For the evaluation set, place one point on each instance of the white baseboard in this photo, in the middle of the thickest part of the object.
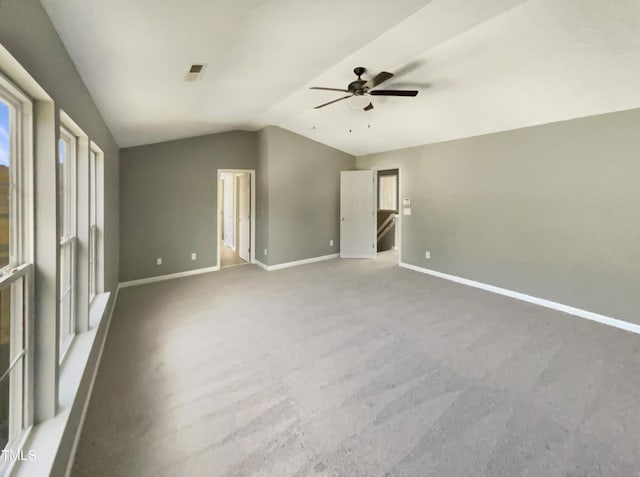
(85, 407)
(143, 281)
(280, 266)
(261, 265)
(589, 315)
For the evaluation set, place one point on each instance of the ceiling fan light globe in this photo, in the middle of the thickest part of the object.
(359, 101)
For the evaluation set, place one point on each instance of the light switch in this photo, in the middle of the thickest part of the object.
(406, 211)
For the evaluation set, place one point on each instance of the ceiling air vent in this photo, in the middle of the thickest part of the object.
(195, 72)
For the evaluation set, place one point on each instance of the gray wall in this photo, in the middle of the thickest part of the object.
(303, 196)
(25, 30)
(550, 211)
(262, 197)
(169, 201)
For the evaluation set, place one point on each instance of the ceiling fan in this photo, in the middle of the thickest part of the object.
(361, 90)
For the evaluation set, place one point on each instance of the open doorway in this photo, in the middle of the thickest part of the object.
(236, 217)
(387, 214)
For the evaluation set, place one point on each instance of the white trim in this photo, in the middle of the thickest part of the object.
(71, 126)
(589, 315)
(280, 266)
(41, 147)
(170, 276)
(262, 265)
(98, 183)
(85, 408)
(99, 215)
(21, 77)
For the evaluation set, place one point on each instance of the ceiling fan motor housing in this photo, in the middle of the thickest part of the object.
(357, 87)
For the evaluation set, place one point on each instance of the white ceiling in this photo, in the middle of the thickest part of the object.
(133, 56)
(481, 66)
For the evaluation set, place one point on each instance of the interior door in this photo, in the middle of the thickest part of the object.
(228, 214)
(221, 196)
(244, 216)
(357, 214)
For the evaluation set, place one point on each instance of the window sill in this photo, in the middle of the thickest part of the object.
(54, 440)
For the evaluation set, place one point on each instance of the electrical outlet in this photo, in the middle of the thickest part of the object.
(265, 252)
(427, 255)
(330, 243)
(193, 256)
(158, 261)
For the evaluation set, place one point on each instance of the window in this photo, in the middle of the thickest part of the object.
(93, 224)
(5, 146)
(16, 261)
(67, 227)
(388, 192)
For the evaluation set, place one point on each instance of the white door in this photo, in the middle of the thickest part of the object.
(227, 212)
(357, 214)
(244, 216)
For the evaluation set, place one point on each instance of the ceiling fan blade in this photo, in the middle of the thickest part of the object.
(334, 101)
(330, 89)
(369, 107)
(393, 92)
(378, 79)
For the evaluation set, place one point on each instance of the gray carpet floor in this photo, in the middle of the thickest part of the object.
(356, 368)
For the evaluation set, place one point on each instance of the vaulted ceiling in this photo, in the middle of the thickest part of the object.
(480, 67)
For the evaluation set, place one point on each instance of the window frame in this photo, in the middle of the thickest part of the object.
(96, 220)
(68, 237)
(19, 273)
(70, 182)
(93, 223)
